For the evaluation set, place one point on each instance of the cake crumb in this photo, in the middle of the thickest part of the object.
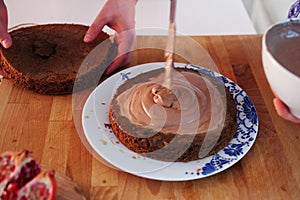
(103, 142)
(111, 141)
(107, 125)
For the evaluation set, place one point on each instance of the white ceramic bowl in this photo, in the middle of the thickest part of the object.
(284, 83)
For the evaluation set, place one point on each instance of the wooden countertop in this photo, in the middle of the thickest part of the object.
(49, 126)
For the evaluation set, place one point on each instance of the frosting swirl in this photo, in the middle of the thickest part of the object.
(193, 104)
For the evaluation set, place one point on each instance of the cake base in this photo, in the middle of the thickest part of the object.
(47, 58)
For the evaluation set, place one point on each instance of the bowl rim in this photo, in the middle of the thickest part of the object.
(266, 52)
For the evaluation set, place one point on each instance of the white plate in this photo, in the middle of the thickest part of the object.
(104, 142)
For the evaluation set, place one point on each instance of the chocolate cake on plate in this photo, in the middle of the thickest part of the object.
(192, 119)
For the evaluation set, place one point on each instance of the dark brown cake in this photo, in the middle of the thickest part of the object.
(47, 58)
(152, 144)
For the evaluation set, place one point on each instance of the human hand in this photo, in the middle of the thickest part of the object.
(119, 15)
(5, 38)
(283, 111)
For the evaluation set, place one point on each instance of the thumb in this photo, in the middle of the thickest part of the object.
(5, 38)
(94, 30)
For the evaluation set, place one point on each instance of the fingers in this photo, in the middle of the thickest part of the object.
(5, 39)
(92, 32)
(119, 15)
(283, 111)
(95, 28)
(125, 42)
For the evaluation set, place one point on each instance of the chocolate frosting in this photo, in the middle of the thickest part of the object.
(193, 104)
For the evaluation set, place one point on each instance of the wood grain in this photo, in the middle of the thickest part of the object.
(50, 127)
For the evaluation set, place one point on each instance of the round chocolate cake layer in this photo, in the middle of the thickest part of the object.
(47, 58)
(156, 144)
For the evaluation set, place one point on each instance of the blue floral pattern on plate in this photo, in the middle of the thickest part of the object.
(247, 124)
(110, 149)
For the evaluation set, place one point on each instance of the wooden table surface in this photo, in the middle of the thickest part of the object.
(50, 128)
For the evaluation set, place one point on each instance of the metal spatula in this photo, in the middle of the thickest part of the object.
(170, 46)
